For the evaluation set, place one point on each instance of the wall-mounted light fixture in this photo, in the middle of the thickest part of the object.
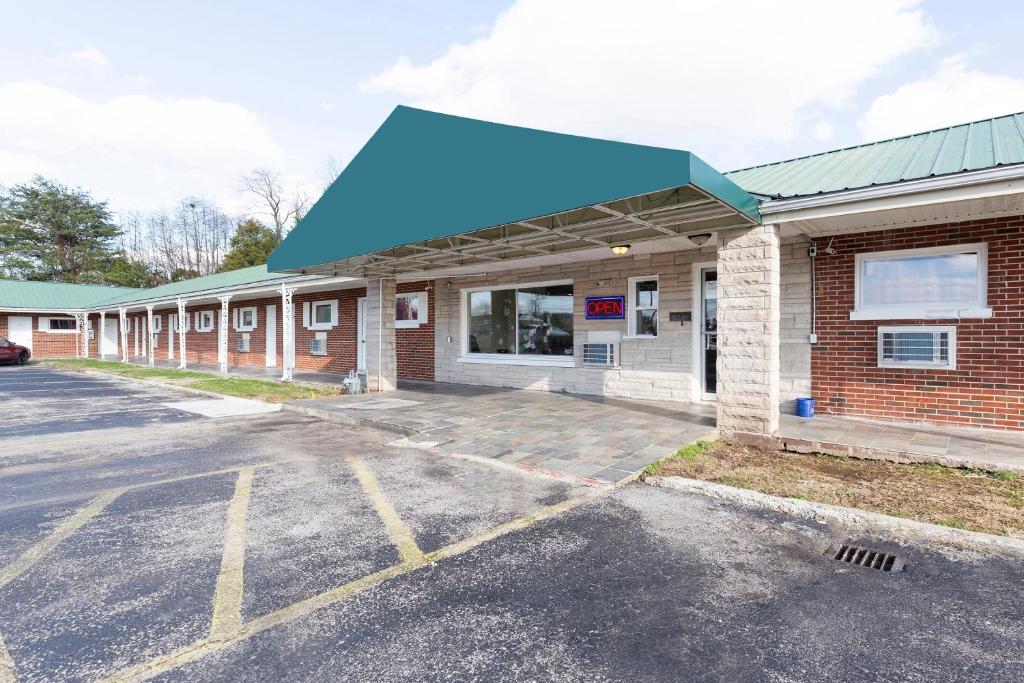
(699, 239)
(620, 249)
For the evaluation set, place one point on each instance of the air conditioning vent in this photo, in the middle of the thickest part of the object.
(318, 347)
(243, 344)
(599, 354)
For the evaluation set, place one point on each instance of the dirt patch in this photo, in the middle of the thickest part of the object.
(961, 498)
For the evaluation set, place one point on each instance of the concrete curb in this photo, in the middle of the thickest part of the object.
(871, 522)
(808, 446)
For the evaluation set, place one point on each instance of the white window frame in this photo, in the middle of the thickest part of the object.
(313, 324)
(632, 308)
(512, 358)
(934, 329)
(158, 324)
(46, 327)
(240, 325)
(200, 325)
(421, 310)
(946, 310)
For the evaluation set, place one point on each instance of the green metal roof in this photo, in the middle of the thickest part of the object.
(966, 147)
(426, 176)
(233, 278)
(45, 296)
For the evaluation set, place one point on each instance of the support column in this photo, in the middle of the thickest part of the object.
(748, 329)
(381, 358)
(222, 335)
(182, 329)
(101, 337)
(149, 335)
(144, 324)
(82, 320)
(122, 329)
(287, 333)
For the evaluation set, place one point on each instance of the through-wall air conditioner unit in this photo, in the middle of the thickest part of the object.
(602, 348)
(318, 346)
(243, 344)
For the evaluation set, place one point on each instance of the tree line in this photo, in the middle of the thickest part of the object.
(56, 233)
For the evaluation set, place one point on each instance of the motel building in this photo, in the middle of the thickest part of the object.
(885, 280)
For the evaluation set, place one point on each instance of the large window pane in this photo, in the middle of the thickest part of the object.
(545, 320)
(937, 279)
(492, 321)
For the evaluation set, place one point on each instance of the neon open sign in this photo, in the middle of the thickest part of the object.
(605, 307)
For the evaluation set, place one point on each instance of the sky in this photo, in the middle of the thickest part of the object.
(143, 104)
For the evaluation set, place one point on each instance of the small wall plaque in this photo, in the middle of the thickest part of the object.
(680, 316)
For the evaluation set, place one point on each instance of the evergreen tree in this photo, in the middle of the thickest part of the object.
(49, 231)
(250, 245)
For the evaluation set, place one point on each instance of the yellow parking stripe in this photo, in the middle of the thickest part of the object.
(400, 534)
(7, 674)
(66, 528)
(206, 646)
(227, 598)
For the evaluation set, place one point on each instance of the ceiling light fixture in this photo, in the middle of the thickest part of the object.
(620, 249)
(699, 239)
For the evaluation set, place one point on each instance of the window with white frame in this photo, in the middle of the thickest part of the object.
(320, 315)
(158, 324)
(924, 347)
(61, 325)
(204, 321)
(524, 321)
(643, 306)
(245, 319)
(934, 282)
(410, 309)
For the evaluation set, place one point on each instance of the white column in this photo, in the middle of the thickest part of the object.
(222, 335)
(82, 319)
(182, 328)
(102, 336)
(145, 335)
(122, 315)
(149, 335)
(287, 333)
(749, 294)
(381, 356)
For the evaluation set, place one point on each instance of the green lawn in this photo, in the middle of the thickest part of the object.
(264, 390)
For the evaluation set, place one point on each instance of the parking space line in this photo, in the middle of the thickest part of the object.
(65, 529)
(227, 598)
(206, 646)
(401, 535)
(7, 672)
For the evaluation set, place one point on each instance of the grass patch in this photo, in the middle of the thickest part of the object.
(263, 390)
(977, 500)
(272, 392)
(687, 453)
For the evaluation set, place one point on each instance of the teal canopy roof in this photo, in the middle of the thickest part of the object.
(424, 177)
(54, 296)
(967, 147)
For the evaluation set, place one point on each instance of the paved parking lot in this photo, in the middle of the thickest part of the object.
(281, 547)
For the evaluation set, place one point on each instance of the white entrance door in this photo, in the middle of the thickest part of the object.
(19, 330)
(172, 329)
(271, 324)
(361, 333)
(109, 337)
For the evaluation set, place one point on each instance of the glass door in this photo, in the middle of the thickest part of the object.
(709, 331)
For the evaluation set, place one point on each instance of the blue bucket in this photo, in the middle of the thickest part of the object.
(805, 407)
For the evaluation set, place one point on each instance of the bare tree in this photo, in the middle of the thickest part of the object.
(282, 209)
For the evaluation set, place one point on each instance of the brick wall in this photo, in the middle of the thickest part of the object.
(415, 345)
(341, 340)
(986, 389)
(53, 344)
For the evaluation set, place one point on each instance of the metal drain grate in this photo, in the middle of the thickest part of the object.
(867, 557)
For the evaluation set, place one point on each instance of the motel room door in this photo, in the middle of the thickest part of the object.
(361, 334)
(109, 340)
(709, 332)
(19, 330)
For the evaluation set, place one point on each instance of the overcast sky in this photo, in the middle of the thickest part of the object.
(143, 103)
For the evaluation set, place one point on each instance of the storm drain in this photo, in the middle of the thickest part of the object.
(867, 557)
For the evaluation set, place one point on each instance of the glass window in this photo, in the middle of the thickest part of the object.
(915, 281)
(63, 324)
(643, 301)
(545, 320)
(322, 314)
(248, 317)
(529, 321)
(407, 307)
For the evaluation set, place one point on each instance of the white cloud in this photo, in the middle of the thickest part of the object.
(955, 93)
(88, 55)
(138, 151)
(718, 78)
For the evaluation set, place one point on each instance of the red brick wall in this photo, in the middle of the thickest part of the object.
(986, 389)
(341, 339)
(415, 345)
(53, 344)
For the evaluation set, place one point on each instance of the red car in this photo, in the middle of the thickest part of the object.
(13, 353)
